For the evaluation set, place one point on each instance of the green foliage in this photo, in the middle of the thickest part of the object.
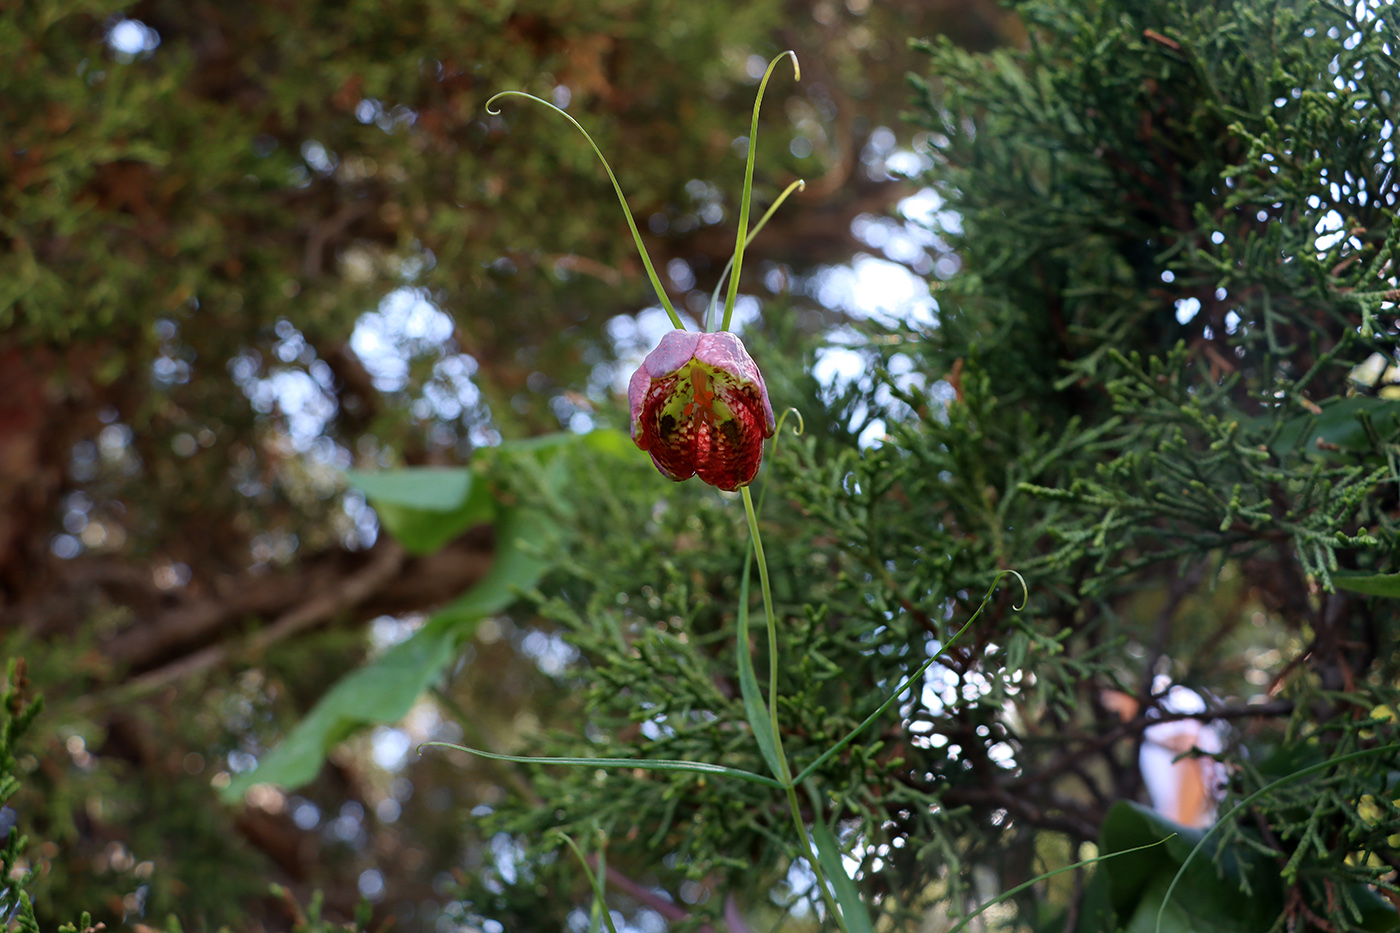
(1138, 394)
(425, 509)
(194, 226)
(1176, 229)
(17, 715)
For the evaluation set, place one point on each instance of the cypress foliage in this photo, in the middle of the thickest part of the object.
(1149, 392)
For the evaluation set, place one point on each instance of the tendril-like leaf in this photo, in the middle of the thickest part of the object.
(626, 211)
(742, 239)
(798, 185)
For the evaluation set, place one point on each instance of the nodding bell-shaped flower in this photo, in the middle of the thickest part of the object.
(699, 407)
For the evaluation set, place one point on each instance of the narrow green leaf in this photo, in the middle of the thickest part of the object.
(757, 713)
(596, 881)
(829, 854)
(646, 764)
(746, 197)
(622, 199)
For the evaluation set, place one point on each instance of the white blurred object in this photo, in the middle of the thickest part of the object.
(1185, 790)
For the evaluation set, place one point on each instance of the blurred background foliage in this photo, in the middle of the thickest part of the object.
(1096, 303)
(247, 247)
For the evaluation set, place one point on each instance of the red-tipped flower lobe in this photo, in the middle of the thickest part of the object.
(699, 407)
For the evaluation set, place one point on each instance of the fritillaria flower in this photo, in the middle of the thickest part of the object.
(699, 407)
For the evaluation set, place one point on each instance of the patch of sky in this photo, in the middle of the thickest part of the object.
(405, 325)
(550, 652)
(1186, 309)
(1331, 228)
(390, 747)
(387, 631)
(131, 38)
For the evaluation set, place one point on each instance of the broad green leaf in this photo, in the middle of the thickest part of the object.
(1128, 826)
(847, 896)
(1097, 911)
(1369, 584)
(430, 489)
(384, 691)
(381, 692)
(1198, 911)
(1208, 897)
(1192, 867)
(523, 538)
(424, 508)
(1339, 423)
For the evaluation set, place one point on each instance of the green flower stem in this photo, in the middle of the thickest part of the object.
(596, 880)
(786, 776)
(710, 310)
(785, 770)
(743, 239)
(626, 211)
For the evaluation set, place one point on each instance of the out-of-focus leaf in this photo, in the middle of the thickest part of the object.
(431, 489)
(1377, 914)
(1209, 896)
(1369, 584)
(1340, 424)
(382, 691)
(523, 542)
(615, 443)
(1096, 909)
(1191, 911)
(424, 508)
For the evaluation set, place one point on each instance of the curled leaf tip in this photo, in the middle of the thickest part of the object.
(796, 68)
(798, 428)
(491, 107)
(1025, 590)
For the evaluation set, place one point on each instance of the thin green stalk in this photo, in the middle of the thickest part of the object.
(710, 310)
(831, 906)
(596, 880)
(626, 211)
(743, 238)
(772, 627)
(785, 775)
